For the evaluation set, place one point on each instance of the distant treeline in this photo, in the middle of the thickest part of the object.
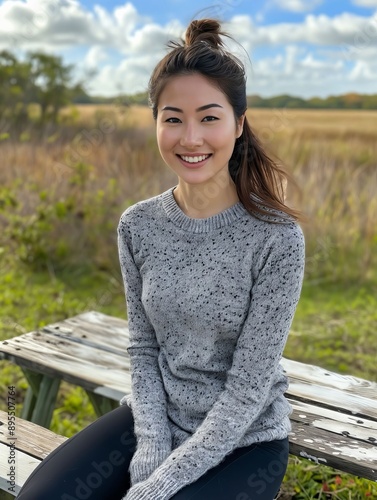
(44, 79)
(346, 101)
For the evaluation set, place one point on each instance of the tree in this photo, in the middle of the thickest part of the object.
(41, 79)
(15, 87)
(52, 84)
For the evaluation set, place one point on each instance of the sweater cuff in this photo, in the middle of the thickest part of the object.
(148, 457)
(159, 489)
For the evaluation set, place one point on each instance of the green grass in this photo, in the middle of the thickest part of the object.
(335, 326)
(307, 481)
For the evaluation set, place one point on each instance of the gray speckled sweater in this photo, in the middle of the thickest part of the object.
(210, 303)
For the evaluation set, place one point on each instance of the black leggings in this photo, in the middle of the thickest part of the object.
(93, 465)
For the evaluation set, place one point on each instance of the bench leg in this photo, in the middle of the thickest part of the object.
(34, 380)
(40, 398)
(101, 404)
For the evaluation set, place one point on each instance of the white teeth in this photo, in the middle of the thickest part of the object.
(194, 159)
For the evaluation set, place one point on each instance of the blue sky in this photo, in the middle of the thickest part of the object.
(185, 9)
(301, 47)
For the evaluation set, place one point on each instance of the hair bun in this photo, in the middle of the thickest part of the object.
(204, 30)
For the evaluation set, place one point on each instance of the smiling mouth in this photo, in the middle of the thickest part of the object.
(194, 159)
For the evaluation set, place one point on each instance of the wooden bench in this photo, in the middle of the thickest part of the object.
(334, 419)
(23, 451)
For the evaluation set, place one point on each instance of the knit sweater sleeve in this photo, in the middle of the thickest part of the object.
(274, 296)
(148, 399)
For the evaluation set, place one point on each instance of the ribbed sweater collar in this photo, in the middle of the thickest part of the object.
(180, 219)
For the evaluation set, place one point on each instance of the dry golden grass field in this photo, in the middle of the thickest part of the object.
(320, 121)
(332, 155)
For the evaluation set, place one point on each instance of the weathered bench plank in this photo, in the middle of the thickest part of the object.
(311, 414)
(335, 439)
(25, 466)
(92, 328)
(76, 363)
(32, 439)
(32, 443)
(329, 397)
(342, 454)
(313, 384)
(317, 376)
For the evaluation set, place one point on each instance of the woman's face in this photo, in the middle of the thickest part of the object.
(196, 128)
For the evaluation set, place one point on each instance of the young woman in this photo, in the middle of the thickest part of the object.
(212, 269)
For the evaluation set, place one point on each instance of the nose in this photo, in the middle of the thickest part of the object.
(191, 137)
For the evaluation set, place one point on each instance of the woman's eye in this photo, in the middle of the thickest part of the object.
(172, 120)
(210, 118)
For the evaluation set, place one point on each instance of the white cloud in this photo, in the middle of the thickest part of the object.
(296, 72)
(365, 3)
(95, 55)
(363, 71)
(345, 28)
(51, 22)
(65, 23)
(130, 76)
(297, 5)
(149, 38)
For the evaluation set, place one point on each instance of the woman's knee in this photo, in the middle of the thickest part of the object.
(96, 458)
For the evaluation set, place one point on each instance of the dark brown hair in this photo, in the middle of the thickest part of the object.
(259, 179)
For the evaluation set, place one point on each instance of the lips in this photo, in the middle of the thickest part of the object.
(194, 159)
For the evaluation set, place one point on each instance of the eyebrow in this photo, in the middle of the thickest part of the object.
(201, 108)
